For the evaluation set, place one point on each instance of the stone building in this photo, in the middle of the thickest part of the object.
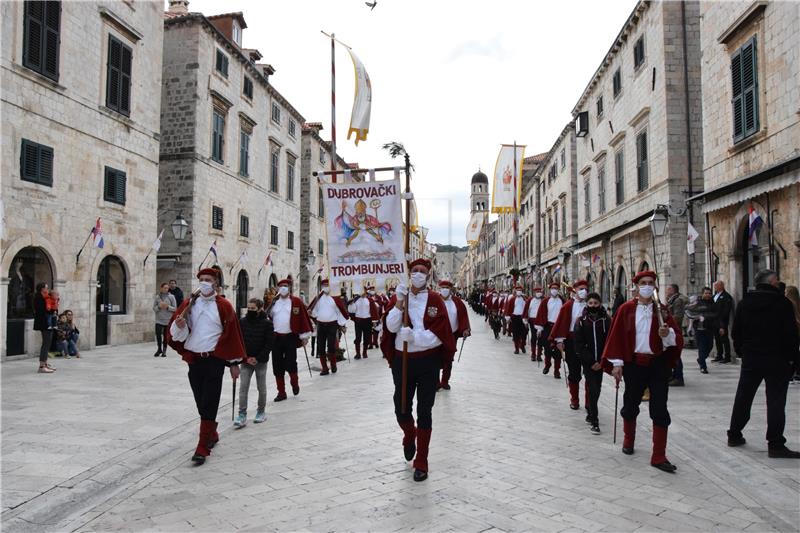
(448, 263)
(639, 147)
(81, 84)
(530, 218)
(230, 158)
(751, 139)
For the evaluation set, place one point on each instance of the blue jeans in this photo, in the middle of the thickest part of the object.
(704, 340)
(72, 344)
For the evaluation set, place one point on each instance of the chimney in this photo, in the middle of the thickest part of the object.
(179, 6)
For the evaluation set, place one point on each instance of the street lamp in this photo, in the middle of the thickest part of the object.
(179, 227)
(658, 222)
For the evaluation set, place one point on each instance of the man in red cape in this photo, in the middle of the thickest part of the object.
(513, 311)
(205, 331)
(561, 335)
(643, 353)
(529, 314)
(292, 331)
(430, 343)
(364, 311)
(329, 314)
(545, 318)
(459, 323)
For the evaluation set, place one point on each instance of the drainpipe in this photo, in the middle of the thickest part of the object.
(690, 192)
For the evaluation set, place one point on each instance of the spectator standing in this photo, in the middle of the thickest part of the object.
(40, 324)
(765, 336)
(703, 316)
(723, 306)
(676, 303)
(163, 306)
(258, 336)
(590, 339)
(619, 299)
(73, 333)
(176, 292)
(793, 295)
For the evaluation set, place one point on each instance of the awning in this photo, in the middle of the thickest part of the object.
(752, 191)
(591, 246)
(636, 227)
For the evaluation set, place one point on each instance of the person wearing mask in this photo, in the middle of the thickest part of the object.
(676, 303)
(330, 314)
(514, 308)
(765, 336)
(703, 316)
(530, 311)
(258, 335)
(429, 344)
(723, 307)
(292, 327)
(364, 312)
(545, 319)
(41, 324)
(642, 351)
(562, 335)
(176, 292)
(590, 339)
(205, 331)
(459, 323)
(163, 306)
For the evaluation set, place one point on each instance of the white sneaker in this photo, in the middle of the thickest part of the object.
(46, 370)
(241, 420)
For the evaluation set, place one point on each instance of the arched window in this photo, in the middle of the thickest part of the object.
(30, 267)
(112, 285)
(621, 281)
(605, 287)
(273, 281)
(242, 289)
(644, 266)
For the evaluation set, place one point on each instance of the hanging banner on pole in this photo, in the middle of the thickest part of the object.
(506, 187)
(365, 235)
(362, 102)
(474, 227)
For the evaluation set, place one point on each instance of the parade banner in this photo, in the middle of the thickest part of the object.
(506, 187)
(362, 103)
(474, 227)
(365, 235)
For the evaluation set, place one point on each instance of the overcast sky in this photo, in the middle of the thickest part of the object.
(451, 80)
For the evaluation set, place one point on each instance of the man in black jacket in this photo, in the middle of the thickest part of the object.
(591, 331)
(765, 337)
(723, 307)
(258, 334)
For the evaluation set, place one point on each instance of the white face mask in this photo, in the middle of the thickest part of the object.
(371, 293)
(539, 295)
(582, 294)
(283, 291)
(206, 288)
(445, 293)
(646, 291)
(418, 279)
(554, 292)
(326, 290)
(519, 293)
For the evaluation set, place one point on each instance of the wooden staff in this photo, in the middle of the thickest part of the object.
(404, 380)
(657, 308)
(616, 411)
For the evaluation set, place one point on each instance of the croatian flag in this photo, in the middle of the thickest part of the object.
(97, 232)
(268, 260)
(755, 224)
(502, 250)
(595, 258)
(557, 270)
(213, 249)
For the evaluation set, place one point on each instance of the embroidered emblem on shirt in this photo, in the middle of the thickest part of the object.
(433, 311)
(295, 310)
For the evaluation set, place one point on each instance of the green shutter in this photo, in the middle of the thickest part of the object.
(744, 90)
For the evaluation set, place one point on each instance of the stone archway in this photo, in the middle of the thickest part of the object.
(29, 266)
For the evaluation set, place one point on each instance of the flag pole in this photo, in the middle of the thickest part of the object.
(204, 260)
(78, 256)
(333, 107)
(404, 380)
(516, 215)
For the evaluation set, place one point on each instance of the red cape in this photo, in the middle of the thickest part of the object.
(435, 320)
(561, 327)
(508, 310)
(463, 317)
(230, 346)
(339, 304)
(299, 322)
(541, 313)
(532, 321)
(621, 341)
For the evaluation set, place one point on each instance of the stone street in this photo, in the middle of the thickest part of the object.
(104, 444)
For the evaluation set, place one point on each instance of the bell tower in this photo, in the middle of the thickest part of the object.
(479, 196)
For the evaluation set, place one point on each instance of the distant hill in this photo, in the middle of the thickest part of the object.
(450, 248)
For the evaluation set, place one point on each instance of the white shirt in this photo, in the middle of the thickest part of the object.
(326, 310)
(205, 327)
(281, 314)
(424, 339)
(553, 307)
(533, 307)
(360, 308)
(452, 313)
(716, 296)
(644, 320)
(519, 305)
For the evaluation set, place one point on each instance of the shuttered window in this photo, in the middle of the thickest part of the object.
(601, 189)
(244, 226)
(118, 76)
(36, 163)
(244, 153)
(617, 82)
(320, 247)
(273, 169)
(638, 53)
(222, 63)
(290, 240)
(273, 235)
(216, 217)
(744, 77)
(321, 203)
(248, 87)
(586, 203)
(290, 161)
(114, 184)
(619, 171)
(41, 37)
(218, 137)
(642, 173)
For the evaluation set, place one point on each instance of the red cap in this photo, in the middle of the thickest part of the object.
(420, 262)
(580, 283)
(518, 287)
(554, 285)
(645, 274)
(208, 272)
(285, 282)
(537, 289)
(444, 283)
(324, 282)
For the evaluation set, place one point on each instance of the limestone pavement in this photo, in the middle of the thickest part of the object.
(104, 445)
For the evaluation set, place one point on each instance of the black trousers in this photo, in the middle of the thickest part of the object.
(284, 355)
(549, 349)
(518, 329)
(326, 338)
(363, 330)
(573, 362)
(723, 344)
(637, 378)
(594, 380)
(161, 337)
(777, 384)
(423, 378)
(205, 377)
(47, 338)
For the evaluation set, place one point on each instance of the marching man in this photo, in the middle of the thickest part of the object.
(643, 352)
(430, 344)
(562, 337)
(205, 331)
(530, 311)
(292, 331)
(330, 314)
(514, 308)
(459, 323)
(545, 319)
(363, 311)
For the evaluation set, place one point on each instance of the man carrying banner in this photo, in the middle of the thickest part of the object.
(562, 336)
(205, 331)
(459, 323)
(364, 312)
(545, 318)
(530, 312)
(292, 331)
(515, 305)
(430, 343)
(330, 314)
(376, 299)
(642, 348)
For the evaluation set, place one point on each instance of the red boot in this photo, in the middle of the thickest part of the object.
(574, 403)
(213, 437)
(629, 430)
(409, 438)
(423, 442)
(295, 382)
(659, 457)
(332, 359)
(358, 351)
(279, 381)
(202, 451)
(557, 371)
(324, 363)
(446, 372)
